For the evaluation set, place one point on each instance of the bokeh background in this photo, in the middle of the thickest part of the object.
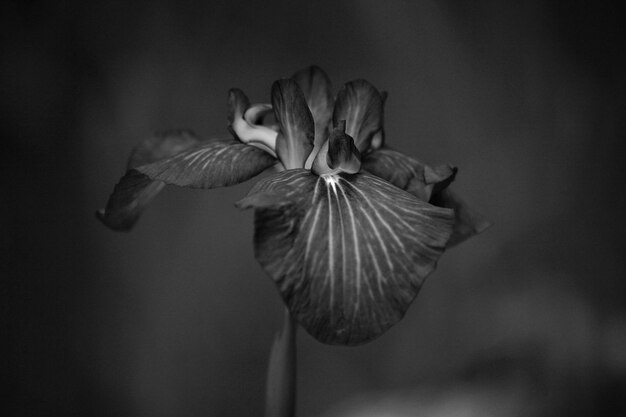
(176, 318)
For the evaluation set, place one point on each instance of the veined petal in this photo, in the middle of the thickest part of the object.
(348, 253)
(133, 193)
(361, 106)
(295, 142)
(202, 165)
(467, 222)
(408, 173)
(217, 163)
(162, 145)
(317, 90)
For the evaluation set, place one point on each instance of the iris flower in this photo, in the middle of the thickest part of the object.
(347, 228)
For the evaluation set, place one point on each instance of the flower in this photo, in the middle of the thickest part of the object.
(348, 228)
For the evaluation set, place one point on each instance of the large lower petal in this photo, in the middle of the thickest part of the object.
(199, 165)
(348, 253)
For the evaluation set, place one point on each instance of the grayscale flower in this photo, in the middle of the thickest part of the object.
(348, 229)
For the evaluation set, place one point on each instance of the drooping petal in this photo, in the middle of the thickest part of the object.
(295, 142)
(129, 199)
(206, 165)
(348, 253)
(361, 106)
(318, 92)
(408, 173)
(135, 191)
(467, 222)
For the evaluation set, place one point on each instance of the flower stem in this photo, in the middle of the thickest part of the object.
(281, 373)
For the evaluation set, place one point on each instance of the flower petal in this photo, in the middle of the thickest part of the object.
(337, 154)
(348, 253)
(217, 163)
(428, 184)
(243, 122)
(238, 103)
(317, 90)
(467, 222)
(135, 191)
(407, 173)
(361, 106)
(295, 142)
(206, 165)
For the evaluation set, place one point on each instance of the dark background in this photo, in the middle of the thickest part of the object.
(176, 318)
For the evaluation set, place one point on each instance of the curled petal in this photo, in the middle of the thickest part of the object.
(135, 191)
(342, 153)
(338, 154)
(256, 113)
(361, 106)
(129, 199)
(348, 253)
(238, 103)
(205, 165)
(295, 142)
(243, 121)
(317, 90)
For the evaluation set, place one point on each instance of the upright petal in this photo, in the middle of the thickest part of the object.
(317, 90)
(206, 165)
(361, 106)
(295, 142)
(348, 253)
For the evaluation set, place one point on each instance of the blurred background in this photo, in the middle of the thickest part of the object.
(176, 318)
